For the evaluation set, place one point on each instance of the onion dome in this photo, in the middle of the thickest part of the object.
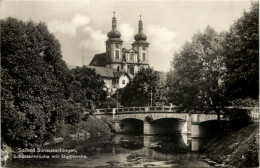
(114, 33)
(140, 36)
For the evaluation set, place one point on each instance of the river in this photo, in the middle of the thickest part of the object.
(119, 151)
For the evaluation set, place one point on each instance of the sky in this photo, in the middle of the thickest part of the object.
(82, 26)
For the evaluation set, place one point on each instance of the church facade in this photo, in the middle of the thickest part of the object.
(118, 65)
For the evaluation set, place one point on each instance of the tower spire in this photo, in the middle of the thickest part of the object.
(140, 25)
(114, 22)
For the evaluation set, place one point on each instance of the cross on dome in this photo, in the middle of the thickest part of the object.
(114, 33)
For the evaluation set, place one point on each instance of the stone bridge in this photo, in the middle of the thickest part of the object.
(160, 120)
(166, 120)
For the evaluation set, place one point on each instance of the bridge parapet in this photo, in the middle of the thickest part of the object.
(105, 111)
(150, 109)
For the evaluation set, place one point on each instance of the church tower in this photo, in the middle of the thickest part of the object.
(140, 45)
(114, 47)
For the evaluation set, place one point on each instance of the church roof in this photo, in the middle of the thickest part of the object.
(128, 51)
(98, 60)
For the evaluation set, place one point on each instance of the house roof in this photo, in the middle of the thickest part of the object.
(119, 74)
(103, 71)
(98, 60)
(130, 75)
(109, 72)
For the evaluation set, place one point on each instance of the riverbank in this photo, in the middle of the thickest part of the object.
(90, 126)
(237, 148)
(87, 127)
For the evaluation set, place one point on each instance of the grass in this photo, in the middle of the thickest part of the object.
(237, 148)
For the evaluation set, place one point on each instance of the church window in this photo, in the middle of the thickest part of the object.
(123, 81)
(144, 57)
(131, 70)
(132, 57)
(117, 54)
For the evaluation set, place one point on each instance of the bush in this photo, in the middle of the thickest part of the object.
(238, 118)
(109, 103)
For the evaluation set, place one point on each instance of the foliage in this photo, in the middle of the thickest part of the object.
(238, 118)
(38, 90)
(138, 92)
(86, 87)
(195, 81)
(109, 103)
(247, 102)
(32, 81)
(241, 48)
(84, 91)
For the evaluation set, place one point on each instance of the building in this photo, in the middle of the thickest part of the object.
(118, 65)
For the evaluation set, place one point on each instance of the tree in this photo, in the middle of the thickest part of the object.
(241, 48)
(87, 87)
(138, 92)
(38, 91)
(195, 81)
(33, 74)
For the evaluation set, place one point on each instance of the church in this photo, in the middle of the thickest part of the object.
(118, 65)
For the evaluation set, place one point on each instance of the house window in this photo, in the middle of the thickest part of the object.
(144, 57)
(117, 54)
(123, 82)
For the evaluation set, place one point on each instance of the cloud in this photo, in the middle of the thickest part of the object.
(161, 37)
(126, 31)
(162, 46)
(68, 27)
(95, 41)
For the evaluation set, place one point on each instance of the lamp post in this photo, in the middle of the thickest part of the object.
(151, 99)
(151, 94)
(116, 100)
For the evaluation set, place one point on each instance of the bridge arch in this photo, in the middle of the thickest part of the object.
(167, 126)
(130, 126)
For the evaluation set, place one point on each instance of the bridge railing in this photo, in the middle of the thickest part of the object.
(138, 109)
(105, 111)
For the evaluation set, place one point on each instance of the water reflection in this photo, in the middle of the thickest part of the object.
(123, 150)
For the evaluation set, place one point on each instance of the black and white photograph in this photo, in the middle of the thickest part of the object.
(129, 83)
